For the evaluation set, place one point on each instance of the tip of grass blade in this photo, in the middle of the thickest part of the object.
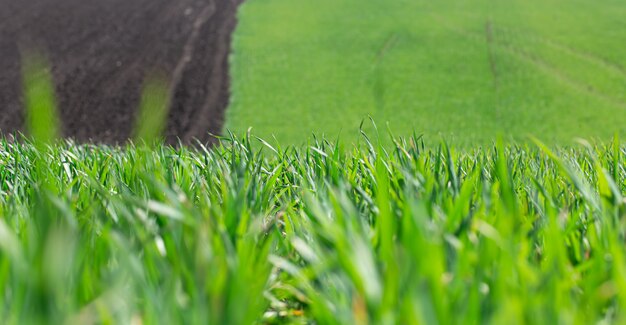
(153, 110)
(39, 96)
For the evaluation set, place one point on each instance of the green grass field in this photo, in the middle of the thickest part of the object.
(463, 70)
(371, 229)
(317, 235)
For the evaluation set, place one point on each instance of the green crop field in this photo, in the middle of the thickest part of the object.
(316, 235)
(463, 70)
(363, 224)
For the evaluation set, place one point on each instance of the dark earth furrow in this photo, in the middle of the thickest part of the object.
(101, 52)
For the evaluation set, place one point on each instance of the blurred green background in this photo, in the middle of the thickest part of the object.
(466, 71)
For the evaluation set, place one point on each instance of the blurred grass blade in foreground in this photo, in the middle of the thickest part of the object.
(153, 110)
(39, 98)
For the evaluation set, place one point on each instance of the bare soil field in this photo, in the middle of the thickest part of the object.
(100, 52)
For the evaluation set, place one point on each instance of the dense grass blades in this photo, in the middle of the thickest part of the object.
(249, 233)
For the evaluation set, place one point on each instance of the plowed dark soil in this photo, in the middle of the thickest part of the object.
(101, 51)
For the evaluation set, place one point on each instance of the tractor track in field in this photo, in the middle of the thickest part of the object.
(594, 59)
(539, 64)
(101, 51)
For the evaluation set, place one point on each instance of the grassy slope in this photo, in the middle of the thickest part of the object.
(468, 70)
(164, 236)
